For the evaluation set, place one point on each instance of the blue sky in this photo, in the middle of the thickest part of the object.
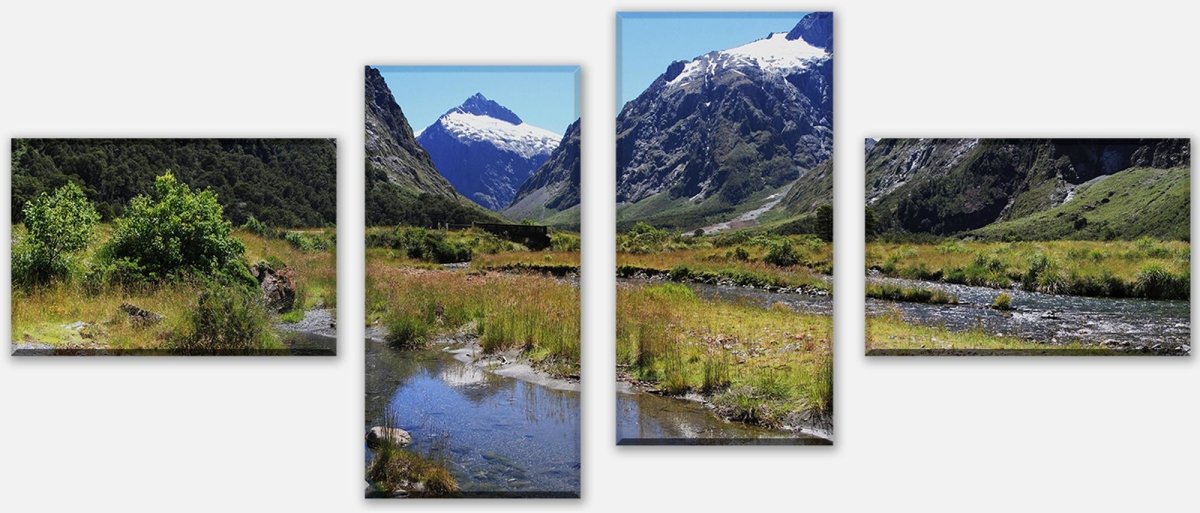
(647, 42)
(544, 96)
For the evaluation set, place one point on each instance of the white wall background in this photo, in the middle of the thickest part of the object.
(999, 434)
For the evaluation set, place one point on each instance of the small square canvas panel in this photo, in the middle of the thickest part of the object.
(174, 246)
(724, 228)
(473, 322)
(1028, 246)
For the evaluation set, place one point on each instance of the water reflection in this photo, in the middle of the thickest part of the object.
(499, 435)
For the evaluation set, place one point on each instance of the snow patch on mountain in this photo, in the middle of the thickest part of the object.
(523, 139)
(773, 54)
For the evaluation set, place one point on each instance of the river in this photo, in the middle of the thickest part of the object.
(499, 436)
(1141, 325)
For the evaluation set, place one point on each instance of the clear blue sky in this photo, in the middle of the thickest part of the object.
(544, 96)
(647, 42)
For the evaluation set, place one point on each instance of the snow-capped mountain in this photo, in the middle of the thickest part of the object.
(485, 150)
(732, 123)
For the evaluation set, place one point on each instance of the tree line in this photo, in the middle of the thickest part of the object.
(282, 182)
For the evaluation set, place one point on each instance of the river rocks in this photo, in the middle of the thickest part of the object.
(278, 286)
(139, 316)
(378, 434)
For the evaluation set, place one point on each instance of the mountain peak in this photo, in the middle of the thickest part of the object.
(816, 28)
(480, 105)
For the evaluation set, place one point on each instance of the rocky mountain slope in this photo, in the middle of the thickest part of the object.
(726, 129)
(403, 186)
(948, 186)
(554, 187)
(485, 150)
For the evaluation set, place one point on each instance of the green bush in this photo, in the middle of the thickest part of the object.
(407, 331)
(56, 225)
(643, 238)
(225, 321)
(563, 241)
(175, 233)
(429, 245)
(782, 254)
(1156, 282)
(253, 225)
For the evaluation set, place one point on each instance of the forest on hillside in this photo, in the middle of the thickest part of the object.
(281, 182)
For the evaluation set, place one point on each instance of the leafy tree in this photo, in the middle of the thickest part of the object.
(782, 254)
(176, 232)
(824, 223)
(56, 225)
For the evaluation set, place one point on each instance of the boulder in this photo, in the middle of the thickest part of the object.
(139, 316)
(397, 436)
(277, 285)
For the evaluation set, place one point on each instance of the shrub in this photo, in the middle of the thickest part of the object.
(430, 245)
(562, 241)
(225, 321)
(1003, 301)
(782, 254)
(643, 238)
(178, 232)
(253, 225)
(741, 254)
(56, 225)
(1156, 282)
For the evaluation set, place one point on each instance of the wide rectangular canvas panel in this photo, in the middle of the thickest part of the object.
(174, 246)
(472, 269)
(724, 228)
(1028, 246)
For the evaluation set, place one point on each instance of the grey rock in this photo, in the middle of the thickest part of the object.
(378, 434)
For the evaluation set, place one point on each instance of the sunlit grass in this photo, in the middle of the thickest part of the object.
(535, 314)
(889, 332)
(758, 364)
(41, 314)
(1143, 268)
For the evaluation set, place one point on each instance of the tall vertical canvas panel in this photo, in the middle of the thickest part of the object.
(472, 269)
(724, 228)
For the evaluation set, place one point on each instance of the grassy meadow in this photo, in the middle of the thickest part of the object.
(758, 365)
(767, 365)
(45, 313)
(1143, 268)
(508, 297)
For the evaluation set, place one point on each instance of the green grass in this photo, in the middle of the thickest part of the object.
(758, 365)
(1003, 301)
(1127, 205)
(1145, 268)
(892, 292)
(534, 314)
(40, 314)
(890, 334)
(739, 258)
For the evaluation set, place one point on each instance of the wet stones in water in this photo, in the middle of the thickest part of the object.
(379, 434)
(278, 286)
(139, 316)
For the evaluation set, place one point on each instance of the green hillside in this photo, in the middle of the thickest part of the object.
(1139, 202)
